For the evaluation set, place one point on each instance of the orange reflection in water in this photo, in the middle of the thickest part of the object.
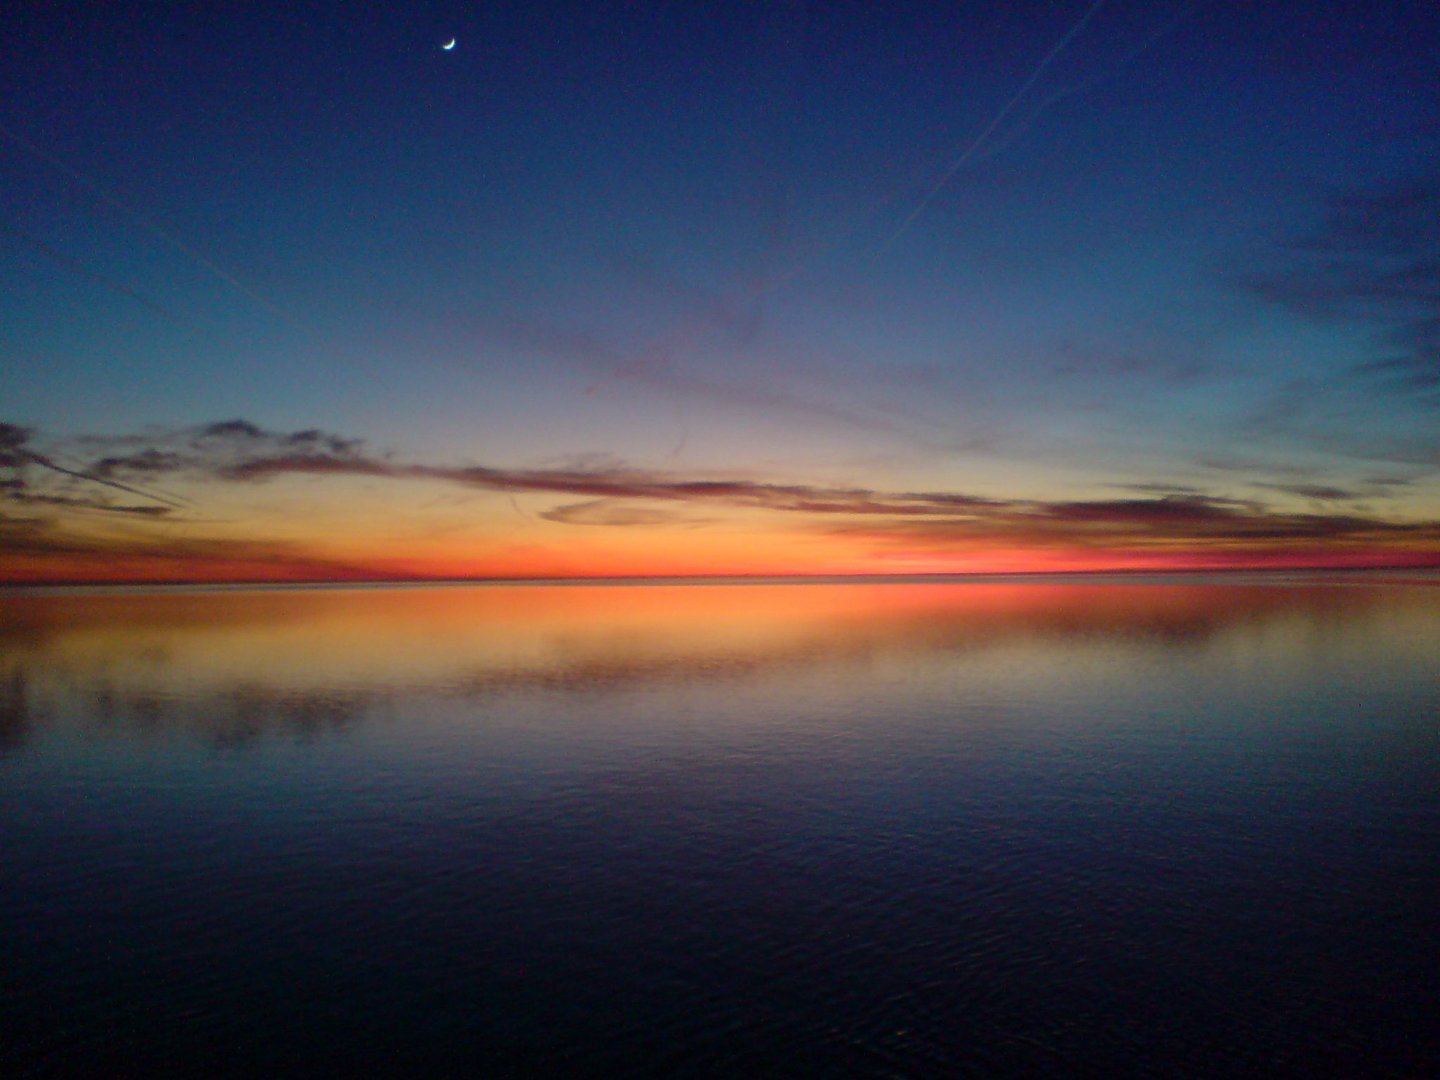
(230, 664)
(293, 639)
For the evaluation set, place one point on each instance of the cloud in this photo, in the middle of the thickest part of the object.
(659, 366)
(1168, 519)
(239, 451)
(139, 464)
(311, 440)
(73, 502)
(1318, 492)
(614, 483)
(1162, 489)
(34, 478)
(1172, 510)
(605, 512)
(1179, 521)
(168, 558)
(1414, 365)
(1373, 260)
(13, 438)
(1188, 525)
(1165, 365)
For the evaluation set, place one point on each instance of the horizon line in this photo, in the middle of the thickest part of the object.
(1129, 573)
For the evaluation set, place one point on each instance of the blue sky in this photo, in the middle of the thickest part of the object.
(1037, 251)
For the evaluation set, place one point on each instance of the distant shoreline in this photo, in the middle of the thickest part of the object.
(1257, 576)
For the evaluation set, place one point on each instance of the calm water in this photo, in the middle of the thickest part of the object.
(1034, 828)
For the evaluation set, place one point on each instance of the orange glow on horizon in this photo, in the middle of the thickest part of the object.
(579, 564)
(298, 529)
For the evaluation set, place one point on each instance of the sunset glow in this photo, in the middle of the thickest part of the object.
(612, 293)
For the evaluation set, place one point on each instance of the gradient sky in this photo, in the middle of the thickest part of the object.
(289, 291)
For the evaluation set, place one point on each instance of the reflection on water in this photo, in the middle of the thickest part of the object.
(1174, 828)
(14, 711)
(308, 661)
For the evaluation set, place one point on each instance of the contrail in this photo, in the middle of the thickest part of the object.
(145, 223)
(41, 459)
(779, 277)
(959, 162)
(116, 203)
(75, 266)
(1060, 95)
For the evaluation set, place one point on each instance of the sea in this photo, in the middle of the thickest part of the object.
(1182, 826)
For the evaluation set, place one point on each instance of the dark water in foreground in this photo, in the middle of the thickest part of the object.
(808, 830)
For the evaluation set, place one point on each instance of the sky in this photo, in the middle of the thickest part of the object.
(293, 292)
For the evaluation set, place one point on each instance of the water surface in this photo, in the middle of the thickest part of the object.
(1160, 828)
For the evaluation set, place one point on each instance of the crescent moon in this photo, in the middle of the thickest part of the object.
(450, 46)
